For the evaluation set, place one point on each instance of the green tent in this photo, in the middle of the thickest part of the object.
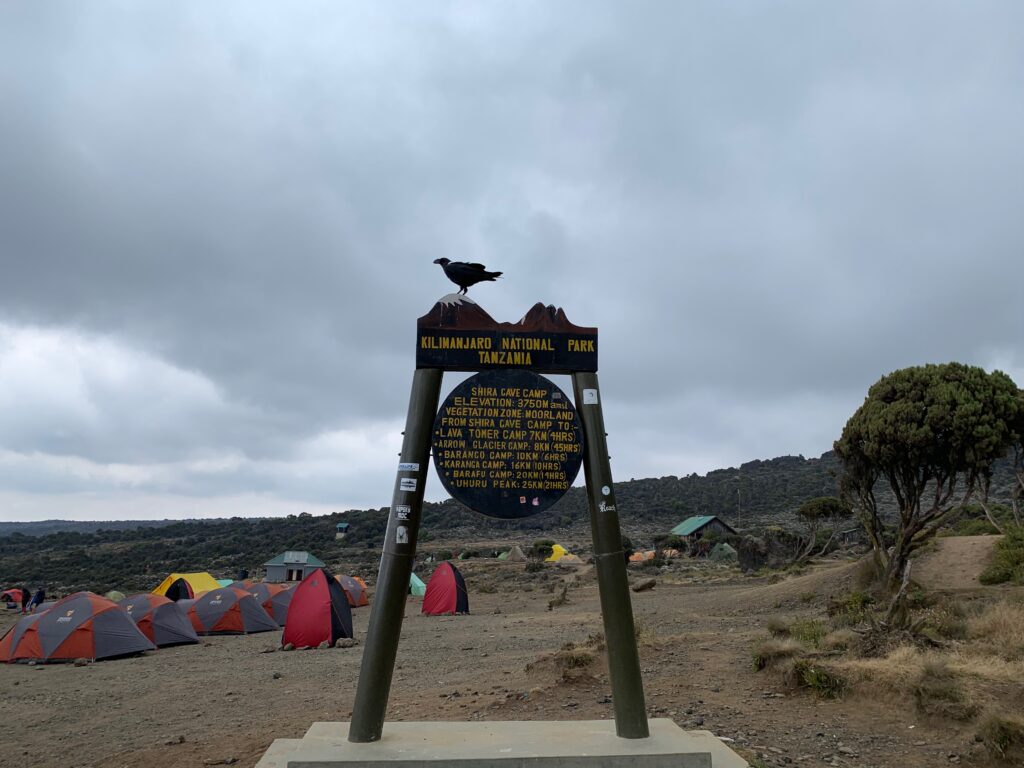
(416, 586)
(723, 553)
(503, 556)
(225, 582)
(115, 595)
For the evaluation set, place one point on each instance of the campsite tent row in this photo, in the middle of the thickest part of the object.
(86, 625)
(186, 586)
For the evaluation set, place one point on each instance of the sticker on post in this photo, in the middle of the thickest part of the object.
(407, 484)
(590, 397)
(401, 535)
(408, 466)
(402, 512)
(605, 490)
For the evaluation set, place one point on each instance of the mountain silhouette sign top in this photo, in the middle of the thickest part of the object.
(458, 335)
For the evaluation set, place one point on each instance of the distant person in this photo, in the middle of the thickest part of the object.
(25, 597)
(37, 599)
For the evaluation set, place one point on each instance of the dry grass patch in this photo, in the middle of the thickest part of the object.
(1003, 735)
(777, 626)
(821, 678)
(840, 640)
(646, 634)
(773, 650)
(940, 691)
(998, 631)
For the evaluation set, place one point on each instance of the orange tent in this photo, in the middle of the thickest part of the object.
(81, 626)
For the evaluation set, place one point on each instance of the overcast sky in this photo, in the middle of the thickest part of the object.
(217, 223)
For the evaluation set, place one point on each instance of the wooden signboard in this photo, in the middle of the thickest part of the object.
(457, 335)
(507, 443)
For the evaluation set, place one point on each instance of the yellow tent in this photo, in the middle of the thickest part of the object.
(200, 582)
(557, 553)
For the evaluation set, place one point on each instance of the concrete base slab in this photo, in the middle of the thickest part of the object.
(520, 744)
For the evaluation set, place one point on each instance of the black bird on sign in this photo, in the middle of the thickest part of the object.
(465, 274)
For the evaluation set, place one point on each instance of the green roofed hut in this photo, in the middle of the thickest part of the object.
(694, 528)
(292, 566)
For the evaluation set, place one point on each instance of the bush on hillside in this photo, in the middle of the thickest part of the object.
(1007, 560)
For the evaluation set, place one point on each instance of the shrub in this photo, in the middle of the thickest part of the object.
(1002, 735)
(541, 549)
(999, 630)
(939, 692)
(850, 609)
(777, 626)
(645, 633)
(807, 674)
(769, 651)
(840, 640)
(808, 631)
(533, 566)
(1007, 559)
(945, 621)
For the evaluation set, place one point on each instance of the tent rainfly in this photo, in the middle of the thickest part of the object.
(446, 592)
(319, 612)
(557, 553)
(229, 611)
(355, 590)
(274, 598)
(162, 620)
(179, 586)
(80, 626)
(416, 586)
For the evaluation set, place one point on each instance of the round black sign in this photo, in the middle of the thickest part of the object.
(507, 443)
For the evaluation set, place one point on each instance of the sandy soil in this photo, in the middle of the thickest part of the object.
(227, 699)
(954, 562)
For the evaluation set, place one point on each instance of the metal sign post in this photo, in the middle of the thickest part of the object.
(396, 561)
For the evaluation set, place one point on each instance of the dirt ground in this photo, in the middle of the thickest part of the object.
(224, 701)
(954, 562)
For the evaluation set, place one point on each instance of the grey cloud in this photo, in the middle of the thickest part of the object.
(761, 207)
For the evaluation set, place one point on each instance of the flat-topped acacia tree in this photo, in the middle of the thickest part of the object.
(932, 433)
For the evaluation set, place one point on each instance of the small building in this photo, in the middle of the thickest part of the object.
(694, 528)
(292, 566)
(341, 530)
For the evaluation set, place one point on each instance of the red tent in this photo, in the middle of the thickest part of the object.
(228, 611)
(446, 592)
(160, 619)
(81, 626)
(355, 590)
(319, 612)
(275, 599)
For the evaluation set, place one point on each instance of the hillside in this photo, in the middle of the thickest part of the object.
(139, 557)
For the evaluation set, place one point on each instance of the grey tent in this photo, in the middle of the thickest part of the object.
(160, 619)
(229, 610)
(516, 554)
(723, 553)
(81, 626)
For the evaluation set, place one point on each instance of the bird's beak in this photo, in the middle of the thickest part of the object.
(437, 261)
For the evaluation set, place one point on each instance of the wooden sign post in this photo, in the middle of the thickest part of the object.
(507, 443)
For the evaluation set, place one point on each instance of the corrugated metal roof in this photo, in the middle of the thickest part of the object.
(296, 558)
(691, 524)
